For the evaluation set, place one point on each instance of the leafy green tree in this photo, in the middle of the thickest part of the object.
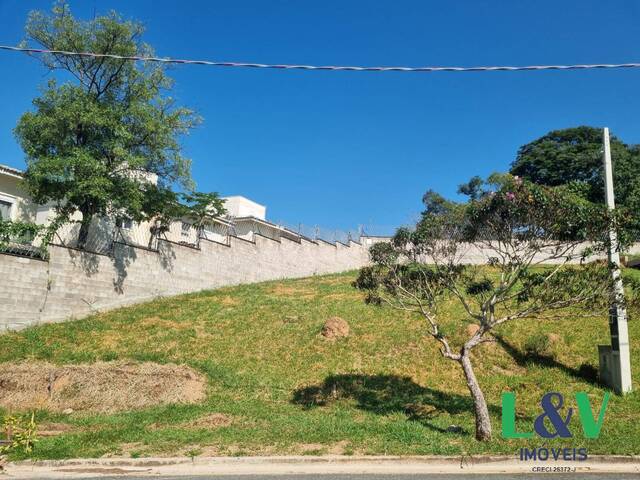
(167, 206)
(477, 187)
(162, 207)
(200, 206)
(573, 156)
(473, 188)
(93, 142)
(533, 238)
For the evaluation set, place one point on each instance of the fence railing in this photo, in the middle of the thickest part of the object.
(315, 232)
(105, 232)
(24, 242)
(100, 238)
(137, 235)
(23, 248)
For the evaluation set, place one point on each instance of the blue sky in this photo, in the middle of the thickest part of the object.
(347, 148)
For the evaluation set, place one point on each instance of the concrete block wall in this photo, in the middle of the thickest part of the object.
(73, 284)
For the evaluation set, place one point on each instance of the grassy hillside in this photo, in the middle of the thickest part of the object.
(276, 386)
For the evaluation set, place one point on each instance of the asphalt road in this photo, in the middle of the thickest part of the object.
(570, 476)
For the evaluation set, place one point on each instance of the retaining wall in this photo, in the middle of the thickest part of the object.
(73, 283)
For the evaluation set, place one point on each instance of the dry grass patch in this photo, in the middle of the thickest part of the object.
(163, 323)
(99, 387)
(228, 301)
(210, 421)
(337, 448)
(50, 429)
(343, 296)
(281, 290)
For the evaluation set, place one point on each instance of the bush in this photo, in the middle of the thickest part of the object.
(538, 345)
(23, 433)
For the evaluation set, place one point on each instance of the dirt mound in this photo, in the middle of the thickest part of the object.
(97, 387)
(335, 327)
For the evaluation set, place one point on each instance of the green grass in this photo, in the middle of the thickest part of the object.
(383, 390)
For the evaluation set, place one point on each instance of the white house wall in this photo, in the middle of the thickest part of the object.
(10, 191)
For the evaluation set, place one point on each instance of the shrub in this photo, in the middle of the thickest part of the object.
(538, 345)
(23, 433)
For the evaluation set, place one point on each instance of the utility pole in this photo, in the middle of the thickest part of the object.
(615, 360)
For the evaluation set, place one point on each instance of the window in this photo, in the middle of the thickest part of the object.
(186, 227)
(124, 223)
(5, 210)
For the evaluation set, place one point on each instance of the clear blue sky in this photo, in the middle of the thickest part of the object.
(339, 149)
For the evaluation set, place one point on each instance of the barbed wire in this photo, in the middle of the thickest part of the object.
(324, 67)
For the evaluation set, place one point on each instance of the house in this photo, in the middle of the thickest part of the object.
(244, 219)
(15, 203)
(238, 206)
(248, 219)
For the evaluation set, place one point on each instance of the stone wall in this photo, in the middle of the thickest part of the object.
(73, 283)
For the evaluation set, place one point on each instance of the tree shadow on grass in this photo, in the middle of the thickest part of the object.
(585, 372)
(385, 394)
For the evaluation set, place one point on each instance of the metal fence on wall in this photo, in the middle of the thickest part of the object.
(316, 232)
(105, 232)
(101, 236)
(23, 247)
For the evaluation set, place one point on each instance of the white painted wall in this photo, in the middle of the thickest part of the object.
(22, 209)
(239, 206)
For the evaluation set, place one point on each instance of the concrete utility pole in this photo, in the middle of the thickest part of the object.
(615, 360)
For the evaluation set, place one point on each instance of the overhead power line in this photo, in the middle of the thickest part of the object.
(324, 67)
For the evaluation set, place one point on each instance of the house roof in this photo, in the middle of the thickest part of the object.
(251, 218)
(264, 222)
(220, 220)
(272, 225)
(14, 172)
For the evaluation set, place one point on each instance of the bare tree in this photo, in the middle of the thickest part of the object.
(537, 243)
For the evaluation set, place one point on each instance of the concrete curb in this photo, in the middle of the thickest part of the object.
(303, 459)
(177, 466)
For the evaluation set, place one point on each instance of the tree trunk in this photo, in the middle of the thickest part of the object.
(483, 422)
(199, 233)
(83, 234)
(153, 232)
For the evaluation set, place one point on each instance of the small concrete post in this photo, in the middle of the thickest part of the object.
(618, 373)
